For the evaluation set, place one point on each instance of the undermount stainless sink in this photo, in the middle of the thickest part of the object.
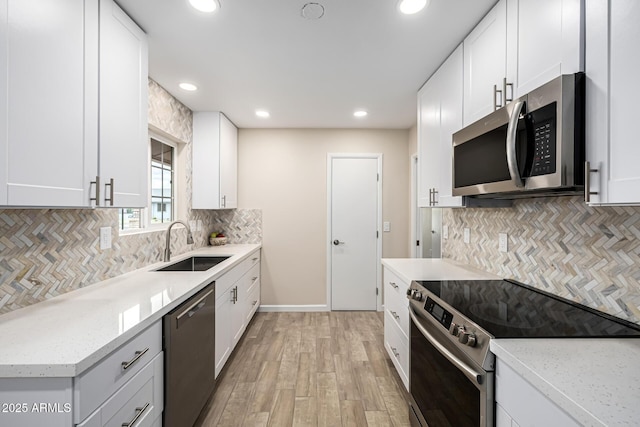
(194, 263)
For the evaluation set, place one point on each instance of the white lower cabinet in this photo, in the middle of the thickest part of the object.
(237, 299)
(396, 323)
(518, 403)
(126, 384)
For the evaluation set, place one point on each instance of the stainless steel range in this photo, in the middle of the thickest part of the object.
(451, 378)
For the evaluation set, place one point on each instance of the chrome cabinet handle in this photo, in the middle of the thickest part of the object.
(587, 181)
(224, 201)
(496, 91)
(504, 90)
(395, 352)
(139, 412)
(435, 201)
(512, 132)
(138, 355)
(394, 285)
(97, 198)
(110, 185)
(469, 372)
(234, 295)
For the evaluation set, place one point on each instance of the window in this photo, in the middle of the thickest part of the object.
(162, 191)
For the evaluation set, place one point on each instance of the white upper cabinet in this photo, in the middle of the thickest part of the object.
(65, 121)
(612, 91)
(48, 120)
(439, 117)
(544, 41)
(485, 66)
(124, 144)
(215, 162)
(519, 46)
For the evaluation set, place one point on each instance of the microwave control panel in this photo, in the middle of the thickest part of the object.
(544, 153)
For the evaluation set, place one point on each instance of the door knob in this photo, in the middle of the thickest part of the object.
(338, 242)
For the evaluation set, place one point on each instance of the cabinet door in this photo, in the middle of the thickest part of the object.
(124, 146)
(612, 89)
(450, 77)
(428, 142)
(48, 123)
(536, 56)
(228, 163)
(485, 63)
(238, 312)
(223, 330)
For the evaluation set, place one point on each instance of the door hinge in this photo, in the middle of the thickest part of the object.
(417, 242)
(376, 291)
(377, 177)
(377, 234)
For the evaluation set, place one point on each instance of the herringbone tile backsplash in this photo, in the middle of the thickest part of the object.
(44, 253)
(589, 255)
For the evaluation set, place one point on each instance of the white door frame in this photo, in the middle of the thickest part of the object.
(330, 157)
(416, 229)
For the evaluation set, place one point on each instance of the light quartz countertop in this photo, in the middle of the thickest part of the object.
(65, 335)
(596, 381)
(410, 269)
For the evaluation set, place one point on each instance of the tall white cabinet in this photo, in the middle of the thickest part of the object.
(439, 117)
(215, 161)
(73, 85)
(613, 36)
(518, 46)
(124, 150)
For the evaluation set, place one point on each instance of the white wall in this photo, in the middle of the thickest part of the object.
(284, 173)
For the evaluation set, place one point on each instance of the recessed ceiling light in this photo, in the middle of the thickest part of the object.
(409, 7)
(360, 113)
(188, 87)
(262, 113)
(205, 5)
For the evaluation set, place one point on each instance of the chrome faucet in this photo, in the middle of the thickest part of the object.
(167, 249)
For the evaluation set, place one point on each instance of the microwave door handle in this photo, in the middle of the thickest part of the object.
(512, 132)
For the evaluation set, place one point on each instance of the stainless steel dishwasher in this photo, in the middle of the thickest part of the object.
(189, 364)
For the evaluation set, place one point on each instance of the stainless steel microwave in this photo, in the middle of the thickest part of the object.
(533, 146)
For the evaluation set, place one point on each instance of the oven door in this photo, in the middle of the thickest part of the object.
(446, 389)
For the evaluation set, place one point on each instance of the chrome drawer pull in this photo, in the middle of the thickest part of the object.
(139, 412)
(253, 279)
(394, 314)
(254, 259)
(139, 354)
(395, 351)
(254, 303)
(394, 285)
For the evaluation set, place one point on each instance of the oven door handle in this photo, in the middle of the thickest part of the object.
(469, 372)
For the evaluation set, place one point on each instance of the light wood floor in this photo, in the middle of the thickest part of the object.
(309, 369)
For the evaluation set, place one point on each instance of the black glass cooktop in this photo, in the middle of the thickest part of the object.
(508, 309)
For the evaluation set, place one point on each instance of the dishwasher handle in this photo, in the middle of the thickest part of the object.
(190, 311)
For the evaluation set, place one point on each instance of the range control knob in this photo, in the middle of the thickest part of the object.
(468, 338)
(453, 329)
(417, 295)
(409, 292)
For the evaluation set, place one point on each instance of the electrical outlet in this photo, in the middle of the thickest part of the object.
(105, 238)
(445, 231)
(467, 237)
(503, 242)
(386, 226)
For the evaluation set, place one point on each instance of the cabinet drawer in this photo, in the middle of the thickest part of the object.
(95, 386)
(141, 396)
(395, 288)
(228, 279)
(397, 346)
(400, 315)
(253, 300)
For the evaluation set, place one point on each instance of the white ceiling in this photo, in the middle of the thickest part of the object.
(255, 54)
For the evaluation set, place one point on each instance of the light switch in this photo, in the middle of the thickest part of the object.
(386, 226)
(467, 237)
(105, 238)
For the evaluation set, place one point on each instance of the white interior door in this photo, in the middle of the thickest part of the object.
(354, 219)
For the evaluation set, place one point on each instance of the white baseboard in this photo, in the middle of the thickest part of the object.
(294, 308)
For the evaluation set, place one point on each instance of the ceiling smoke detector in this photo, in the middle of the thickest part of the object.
(312, 11)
